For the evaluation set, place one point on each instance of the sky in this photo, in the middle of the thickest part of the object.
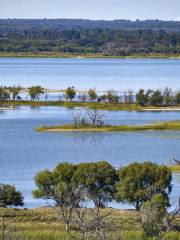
(91, 9)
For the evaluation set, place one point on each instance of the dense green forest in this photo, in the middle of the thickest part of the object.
(120, 37)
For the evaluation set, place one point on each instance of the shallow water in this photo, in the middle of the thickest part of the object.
(24, 152)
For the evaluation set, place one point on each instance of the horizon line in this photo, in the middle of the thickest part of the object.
(88, 19)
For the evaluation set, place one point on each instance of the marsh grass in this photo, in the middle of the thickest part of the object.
(44, 224)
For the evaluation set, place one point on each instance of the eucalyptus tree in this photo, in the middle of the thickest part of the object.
(35, 92)
(140, 181)
(92, 94)
(98, 181)
(9, 196)
(60, 186)
(70, 93)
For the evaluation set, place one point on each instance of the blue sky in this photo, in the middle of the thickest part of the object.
(91, 9)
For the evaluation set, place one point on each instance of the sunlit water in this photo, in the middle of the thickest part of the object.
(24, 152)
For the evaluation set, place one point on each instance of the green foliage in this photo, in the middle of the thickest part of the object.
(92, 94)
(35, 92)
(9, 196)
(94, 181)
(4, 95)
(141, 98)
(98, 181)
(57, 185)
(70, 93)
(140, 181)
(116, 38)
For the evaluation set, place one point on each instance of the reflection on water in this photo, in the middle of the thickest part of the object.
(91, 138)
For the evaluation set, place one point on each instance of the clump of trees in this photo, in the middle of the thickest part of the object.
(70, 93)
(118, 38)
(140, 182)
(9, 196)
(158, 97)
(92, 94)
(72, 186)
(35, 92)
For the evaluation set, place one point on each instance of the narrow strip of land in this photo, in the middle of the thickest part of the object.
(92, 105)
(85, 55)
(172, 125)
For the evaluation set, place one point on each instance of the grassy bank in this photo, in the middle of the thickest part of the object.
(100, 106)
(44, 224)
(175, 168)
(172, 125)
(82, 55)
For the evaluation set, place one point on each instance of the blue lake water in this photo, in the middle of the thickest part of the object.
(24, 152)
(103, 74)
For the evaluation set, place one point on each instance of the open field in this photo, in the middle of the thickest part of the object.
(44, 224)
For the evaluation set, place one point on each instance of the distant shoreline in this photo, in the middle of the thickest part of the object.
(91, 105)
(85, 56)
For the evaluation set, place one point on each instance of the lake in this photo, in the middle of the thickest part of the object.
(103, 74)
(24, 152)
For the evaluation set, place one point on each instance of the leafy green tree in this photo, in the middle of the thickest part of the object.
(98, 181)
(60, 186)
(92, 94)
(35, 92)
(70, 93)
(4, 95)
(140, 181)
(9, 196)
(141, 97)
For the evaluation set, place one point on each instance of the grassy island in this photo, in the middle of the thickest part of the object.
(171, 125)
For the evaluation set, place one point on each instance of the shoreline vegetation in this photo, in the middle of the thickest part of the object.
(85, 55)
(171, 125)
(43, 223)
(92, 105)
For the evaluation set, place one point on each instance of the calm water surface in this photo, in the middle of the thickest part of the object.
(24, 152)
(119, 74)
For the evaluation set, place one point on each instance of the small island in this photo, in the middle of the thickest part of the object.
(171, 125)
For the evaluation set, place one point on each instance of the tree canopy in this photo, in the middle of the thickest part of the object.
(98, 179)
(140, 181)
(9, 196)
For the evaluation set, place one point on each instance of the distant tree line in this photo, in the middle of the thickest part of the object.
(150, 97)
(91, 37)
